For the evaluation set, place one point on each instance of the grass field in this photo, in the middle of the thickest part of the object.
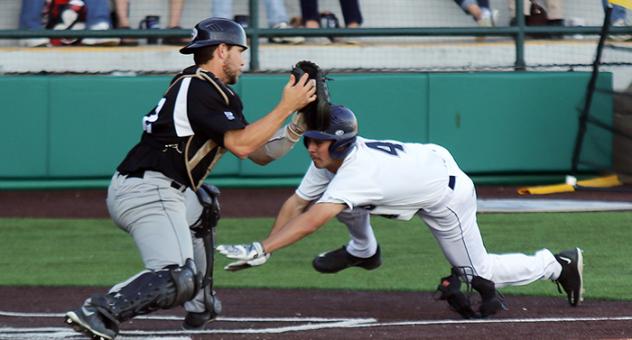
(54, 252)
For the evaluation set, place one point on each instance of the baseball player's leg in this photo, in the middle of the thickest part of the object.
(205, 306)
(453, 224)
(196, 305)
(456, 230)
(154, 214)
(362, 241)
(361, 251)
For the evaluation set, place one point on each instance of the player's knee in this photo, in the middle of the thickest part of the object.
(352, 217)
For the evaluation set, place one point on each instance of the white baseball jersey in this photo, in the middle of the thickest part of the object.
(401, 180)
(386, 177)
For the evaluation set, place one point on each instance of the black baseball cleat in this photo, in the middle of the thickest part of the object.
(197, 320)
(88, 321)
(492, 301)
(339, 259)
(193, 321)
(571, 278)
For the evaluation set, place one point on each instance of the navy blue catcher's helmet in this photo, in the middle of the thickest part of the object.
(342, 129)
(214, 31)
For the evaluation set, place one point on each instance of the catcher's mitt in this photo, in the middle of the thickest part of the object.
(317, 112)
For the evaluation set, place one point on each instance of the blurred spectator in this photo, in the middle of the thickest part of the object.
(97, 18)
(31, 19)
(617, 18)
(175, 15)
(540, 12)
(350, 12)
(480, 11)
(313, 18)
(275, 12)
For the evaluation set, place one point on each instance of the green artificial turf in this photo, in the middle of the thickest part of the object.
(94, 252)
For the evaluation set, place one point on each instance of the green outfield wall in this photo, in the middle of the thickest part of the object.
(73, 130)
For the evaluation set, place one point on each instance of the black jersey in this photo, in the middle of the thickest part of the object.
(183, 135)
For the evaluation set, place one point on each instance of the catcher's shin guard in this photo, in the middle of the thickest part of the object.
(208, 195)
(149, 292)
(450, 290)
(491, 300)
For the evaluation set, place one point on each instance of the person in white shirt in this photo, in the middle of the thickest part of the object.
(351, 178)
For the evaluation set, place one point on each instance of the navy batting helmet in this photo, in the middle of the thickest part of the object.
(342, 129)
(214, 31)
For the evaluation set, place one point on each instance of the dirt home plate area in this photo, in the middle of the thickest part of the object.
(37, 312)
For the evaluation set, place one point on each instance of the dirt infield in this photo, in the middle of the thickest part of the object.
(36, 312)
(327, 314)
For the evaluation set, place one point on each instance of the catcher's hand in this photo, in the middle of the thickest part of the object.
(248, 255)
(317, 112)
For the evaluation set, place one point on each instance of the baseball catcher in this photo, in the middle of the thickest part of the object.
(316, 113)
(157, 192)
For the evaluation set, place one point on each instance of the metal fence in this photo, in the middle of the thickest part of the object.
(518, 34)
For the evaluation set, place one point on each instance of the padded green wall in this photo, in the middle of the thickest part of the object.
(495, 122)
(24, 132)
(67, 127)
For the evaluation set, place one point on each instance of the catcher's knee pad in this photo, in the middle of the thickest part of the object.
(491, 300)
(449, 289)
(185, 282)
(149, 292)
(208, 195)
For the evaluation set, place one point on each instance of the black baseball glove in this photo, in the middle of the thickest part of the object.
(316, 113)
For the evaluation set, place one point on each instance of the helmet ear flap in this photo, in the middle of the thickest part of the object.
(340, 149)
(306, 141)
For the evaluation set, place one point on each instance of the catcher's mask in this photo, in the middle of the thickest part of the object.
(342, 130)
(214, 31)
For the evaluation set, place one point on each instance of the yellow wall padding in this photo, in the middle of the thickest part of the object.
(546, 189)
(599, 182)
(624, 3)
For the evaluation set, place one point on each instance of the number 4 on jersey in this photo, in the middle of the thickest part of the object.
(389, 148)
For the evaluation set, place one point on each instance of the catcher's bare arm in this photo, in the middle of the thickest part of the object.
(313, 116)
(245, 141)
